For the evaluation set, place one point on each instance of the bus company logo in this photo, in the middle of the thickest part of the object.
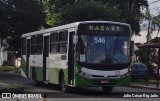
(6, 95)
(117, 72)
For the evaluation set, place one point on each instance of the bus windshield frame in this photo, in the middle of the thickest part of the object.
(103, 47)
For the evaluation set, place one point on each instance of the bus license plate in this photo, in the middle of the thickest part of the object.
(104, 81)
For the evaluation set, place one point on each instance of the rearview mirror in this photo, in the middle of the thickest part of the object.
(75, 39)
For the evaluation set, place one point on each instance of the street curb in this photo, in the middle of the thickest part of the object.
(145, 87)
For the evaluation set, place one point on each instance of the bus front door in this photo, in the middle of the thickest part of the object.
(71, 59)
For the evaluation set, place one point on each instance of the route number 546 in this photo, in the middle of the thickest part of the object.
(99, 40)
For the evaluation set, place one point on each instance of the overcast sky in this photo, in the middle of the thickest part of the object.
(154, 7)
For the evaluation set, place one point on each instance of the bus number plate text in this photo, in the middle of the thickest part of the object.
(104, 81)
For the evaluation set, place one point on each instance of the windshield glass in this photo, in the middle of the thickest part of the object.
(103, 49)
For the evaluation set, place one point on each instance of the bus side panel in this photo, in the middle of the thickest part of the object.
(39, 72)
(36, 63)
(53, 75)
(55, 65)
(23, 66)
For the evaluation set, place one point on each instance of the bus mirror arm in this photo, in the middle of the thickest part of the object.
(75, 39)
(63, 57)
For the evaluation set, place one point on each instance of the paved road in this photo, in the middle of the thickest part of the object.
(95, 94)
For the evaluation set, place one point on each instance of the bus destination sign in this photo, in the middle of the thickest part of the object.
(103, 27)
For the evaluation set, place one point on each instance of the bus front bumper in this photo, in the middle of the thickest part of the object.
(81, 81)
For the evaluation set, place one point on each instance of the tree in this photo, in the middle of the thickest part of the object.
(53, 9)
(79, 10)
(4, 18)
(130, 10)
(19, 17)
(89, 10)
(141, 56)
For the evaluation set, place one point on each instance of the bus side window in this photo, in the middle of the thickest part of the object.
(33, 45)
(39, 44)
(54, 42)
(63, 39)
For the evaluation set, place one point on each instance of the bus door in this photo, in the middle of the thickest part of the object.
(45, 57)
(71, 59)
(27, 56)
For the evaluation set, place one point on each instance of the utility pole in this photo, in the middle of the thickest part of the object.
(0, 53)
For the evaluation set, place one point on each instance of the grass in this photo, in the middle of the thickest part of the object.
(7, 68)
(9, 85)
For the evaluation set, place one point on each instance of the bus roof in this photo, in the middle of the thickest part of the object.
(68, 26)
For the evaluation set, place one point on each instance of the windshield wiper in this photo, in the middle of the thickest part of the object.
(114, 59)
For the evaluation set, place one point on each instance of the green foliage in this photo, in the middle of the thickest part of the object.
(80, 10)
(53, 19)
(131, 11)
(7, 68)
(142, 56)
(128, 11)
(89, 10)
(19, 17)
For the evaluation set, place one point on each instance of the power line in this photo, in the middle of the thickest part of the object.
(154, 2)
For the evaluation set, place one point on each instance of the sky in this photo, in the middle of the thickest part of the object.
(154, 7)
(154, 10)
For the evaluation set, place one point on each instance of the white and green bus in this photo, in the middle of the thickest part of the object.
(80, 54)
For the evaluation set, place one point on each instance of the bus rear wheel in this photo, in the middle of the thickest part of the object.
(64, 88)
(34, 78)
(107, 89)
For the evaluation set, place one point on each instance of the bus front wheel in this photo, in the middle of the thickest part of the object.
(107, 89)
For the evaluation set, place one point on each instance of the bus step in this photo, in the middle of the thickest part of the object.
(45, 82)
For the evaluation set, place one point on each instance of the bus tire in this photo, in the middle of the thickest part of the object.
(34, 78)
(64, 88)
(107, 89)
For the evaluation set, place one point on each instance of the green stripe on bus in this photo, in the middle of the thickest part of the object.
(23, 65)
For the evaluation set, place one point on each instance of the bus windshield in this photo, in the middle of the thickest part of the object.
(100, 49)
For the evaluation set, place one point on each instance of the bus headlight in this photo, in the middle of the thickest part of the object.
(84, 74)
(88, 76)
(129, 69)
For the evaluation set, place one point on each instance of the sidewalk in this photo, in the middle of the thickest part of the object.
(143, 86)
